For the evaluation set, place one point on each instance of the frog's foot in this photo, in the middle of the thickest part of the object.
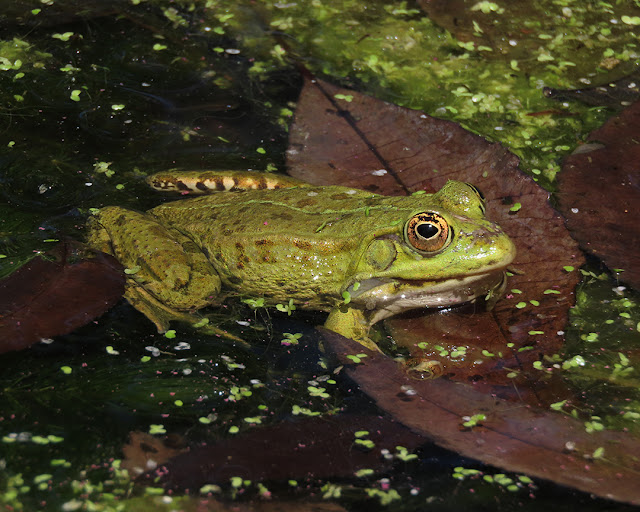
(351, 323)
(161, 314)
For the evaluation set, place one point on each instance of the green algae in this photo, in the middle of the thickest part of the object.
(400, 55)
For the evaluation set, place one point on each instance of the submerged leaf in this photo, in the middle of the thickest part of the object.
(310, 448)
(145, 451)
(50, 297)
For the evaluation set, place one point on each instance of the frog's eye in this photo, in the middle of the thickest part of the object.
(428, 232)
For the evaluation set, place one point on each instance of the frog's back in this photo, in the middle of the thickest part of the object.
(289, 242)
(265, 213)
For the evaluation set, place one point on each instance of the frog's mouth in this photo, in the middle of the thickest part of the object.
(388, 297)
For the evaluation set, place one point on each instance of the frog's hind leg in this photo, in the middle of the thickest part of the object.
(168, 276)
(161, 315)
(208, 182)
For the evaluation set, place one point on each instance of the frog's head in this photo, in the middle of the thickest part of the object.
(444, 253)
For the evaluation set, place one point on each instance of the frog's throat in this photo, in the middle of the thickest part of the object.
(385, 298)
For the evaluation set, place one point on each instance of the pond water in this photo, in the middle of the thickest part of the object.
(95, 97)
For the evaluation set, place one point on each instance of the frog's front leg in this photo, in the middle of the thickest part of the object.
(351, 323)
(170, 276)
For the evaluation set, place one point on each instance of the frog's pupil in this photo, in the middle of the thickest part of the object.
(427, 230)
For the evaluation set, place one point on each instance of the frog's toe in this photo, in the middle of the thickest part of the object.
(161, 315)
(369, 343)
(153, 309)
(202, 325)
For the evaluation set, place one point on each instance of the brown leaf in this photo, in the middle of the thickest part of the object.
(54, 296)
(599, 193)
(336, 141)
(145, 452)
(309, 448)
(538, 442)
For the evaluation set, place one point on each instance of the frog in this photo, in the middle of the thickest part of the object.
(357, 255)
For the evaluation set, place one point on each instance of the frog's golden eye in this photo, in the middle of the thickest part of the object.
(428, 232)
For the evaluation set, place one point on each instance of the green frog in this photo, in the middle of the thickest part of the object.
(359, 256)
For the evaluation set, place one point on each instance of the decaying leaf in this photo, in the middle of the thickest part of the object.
(145, 452)
(539, 442)
(599, 193)
(53, 296)
(311, 448)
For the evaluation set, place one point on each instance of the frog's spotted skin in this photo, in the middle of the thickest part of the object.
(360, 256)
(205, 182)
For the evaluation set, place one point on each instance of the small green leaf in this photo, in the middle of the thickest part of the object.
(201, 323)
(558, 405)
(356, 358)
(156, 429)
(255, 303)
(62, 37)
